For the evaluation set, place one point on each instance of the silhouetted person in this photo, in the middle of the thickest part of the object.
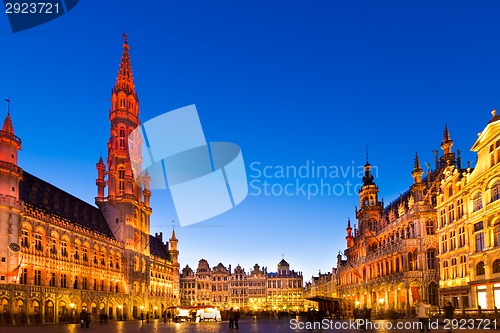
(88, 319)
(449, 312)
(83, 318)
(230, 316)
(236, 318)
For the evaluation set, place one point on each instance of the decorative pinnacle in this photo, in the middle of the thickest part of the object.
(125, 38)
(446, 133)
(494, 113)
(416, 166)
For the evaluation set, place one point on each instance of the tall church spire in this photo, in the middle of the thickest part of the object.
(121, 195)
(125, 79)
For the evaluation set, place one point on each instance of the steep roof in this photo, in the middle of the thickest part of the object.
(53, 200)
(157, 248)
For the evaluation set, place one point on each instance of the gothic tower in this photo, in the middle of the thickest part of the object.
(370, 212)
(10, 206)
(126, 206)
(448, 157)
(418, 186)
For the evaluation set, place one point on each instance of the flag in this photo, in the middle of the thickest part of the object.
(15, 272)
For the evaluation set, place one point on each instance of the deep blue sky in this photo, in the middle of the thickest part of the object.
(289, 81)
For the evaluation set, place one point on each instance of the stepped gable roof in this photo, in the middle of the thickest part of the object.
(157, 248)
(45, 196)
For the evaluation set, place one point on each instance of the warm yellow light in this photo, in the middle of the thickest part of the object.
(381, 300)
(141, 307)
(120, 306)
(71, 305)
(357, 303)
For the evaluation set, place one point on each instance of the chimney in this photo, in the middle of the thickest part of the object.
(229, 269)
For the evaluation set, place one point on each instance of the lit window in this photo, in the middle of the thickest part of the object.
(121, 181)
(480, 241)
(121, 138)
(478, 202)
(64, 248)
(495, 191)
(38, 277)
(480, 268)
(496, 266)
(38, 242)
(25, 238)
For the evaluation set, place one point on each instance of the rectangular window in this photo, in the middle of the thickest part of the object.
(454, 268)
(38, 277)
(444, 243)
(461, 237)
(84, 283)
(431, 259)
(24, 276)
(64, 248)
(463, 266)
(430, 227)
(38, 242)
(442, 218)
(478, 226)
(453, 240)
(480, 241)
(25, 239)
(52, 281)
(63, 280)
(460, 208)
(53, 246)
(85, 254)
(451, 213)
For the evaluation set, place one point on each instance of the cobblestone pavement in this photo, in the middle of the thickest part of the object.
(245, 325)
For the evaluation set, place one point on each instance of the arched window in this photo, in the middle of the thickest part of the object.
(495, 191)
(480, 268)
(496, 266)
(121, 102)
(497, 234)
(121, 180)
(478, 202)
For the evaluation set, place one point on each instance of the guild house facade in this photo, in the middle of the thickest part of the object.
(59, 254)
(254, 291)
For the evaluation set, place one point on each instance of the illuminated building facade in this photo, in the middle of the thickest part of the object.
(391, 260)
(60, 255)
(256, 291)
(322, 285)
(469, 226)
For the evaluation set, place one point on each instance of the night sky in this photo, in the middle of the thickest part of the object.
(294, 83)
